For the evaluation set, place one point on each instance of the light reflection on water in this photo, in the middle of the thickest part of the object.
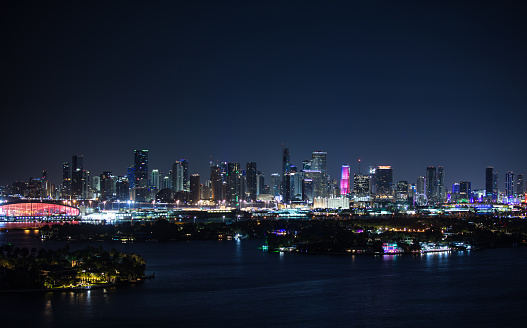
(217, 283)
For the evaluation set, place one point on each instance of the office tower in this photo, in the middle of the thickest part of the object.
(489, 181)
(251, 178)
(519, 184)
(180, 178)
(465, 189)
(318, 181)
(307, 191)
(441, 190)
(233, 183)
(296, 183)
(306, 165)
(167, 182)
(286, 168)
(66, 179)
(319, 162)
(131, 177)
(456, 188)
(361, 185)
(195, 192)
(509, 184)
(122, 188)
(420, 188)
(78, 177)
(431, 184)
(106, 186)
(496, 189)
(96, 183)
(141, 193)
(402, 191)
(275, 184)
(216, 183)
(286, 187)
(260, 183)
(345, 180)
(155, 179)
(383, 180)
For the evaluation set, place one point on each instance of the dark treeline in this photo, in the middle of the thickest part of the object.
(321, 235)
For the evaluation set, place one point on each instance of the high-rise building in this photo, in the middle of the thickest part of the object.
(216, 182)
(141, 193)
(402, 191)
(307, 191)
(131, 177)
(489, 181)
(155, 179)
(251, 176)
(78, 177)
(286, 168)
(107, 190)
(318, 182)
(260, 183)
(431, 184)
(319, 162)
(465, 189)
(496, 189)
(420, 188)
(195, 191)
(345, 180)
(384, 180)
(122, 189)
(275, 184)
(361, 185)
(180, 179)
(233, 183)
(441, 190)
(66, 179)
(509, 184)
(306, 165)
(519, 184)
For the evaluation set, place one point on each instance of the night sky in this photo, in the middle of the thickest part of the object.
(401, 83)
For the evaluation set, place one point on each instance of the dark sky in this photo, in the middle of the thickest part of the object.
(401, 83)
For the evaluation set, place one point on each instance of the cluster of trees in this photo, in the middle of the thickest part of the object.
(21, 268)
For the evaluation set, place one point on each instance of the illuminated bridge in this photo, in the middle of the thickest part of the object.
(37, 210)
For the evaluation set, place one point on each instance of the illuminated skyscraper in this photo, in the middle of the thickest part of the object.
(384, 180)
(345, 180)
(319, 183)
(251, 177)
(122, 189)
(155, 179)
(195, 185)
(420, 185)
(233, 183)
(509, 184)
(141, 193)
(275, 184)
(465, 189)
(286, 168)
(441, 190)
(402, 191)
(489, 181)
(361, 185)
(78, 177)
(216, 183)
(180, 178)
(319, 162)
(519, 184)
(66, 179)
(431, 184)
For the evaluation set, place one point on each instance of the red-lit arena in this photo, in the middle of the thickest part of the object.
(37, 210)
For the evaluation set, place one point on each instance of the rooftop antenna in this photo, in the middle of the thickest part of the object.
(359, 165)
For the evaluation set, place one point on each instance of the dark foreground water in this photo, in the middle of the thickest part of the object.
(230, 283)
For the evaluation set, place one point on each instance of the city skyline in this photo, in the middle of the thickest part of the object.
(177, 178)
(409, 85)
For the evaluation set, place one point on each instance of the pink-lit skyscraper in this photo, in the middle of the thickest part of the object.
(345, 180)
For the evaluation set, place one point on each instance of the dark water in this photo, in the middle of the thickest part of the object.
(230, 283)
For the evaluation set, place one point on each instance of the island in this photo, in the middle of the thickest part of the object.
(23, 269)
